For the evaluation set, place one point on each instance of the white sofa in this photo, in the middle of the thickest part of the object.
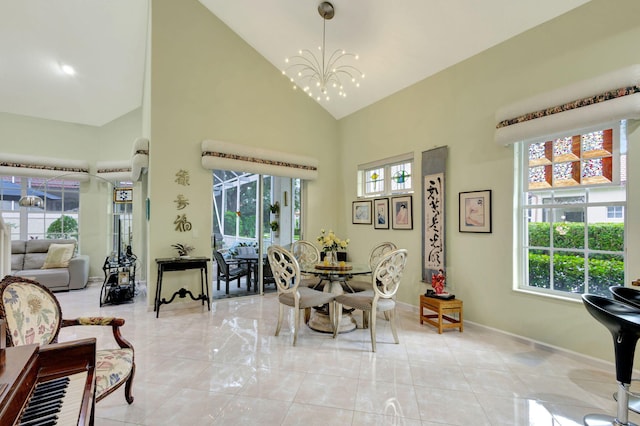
(28, 257)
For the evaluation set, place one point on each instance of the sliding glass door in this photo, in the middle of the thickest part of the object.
(251, 212)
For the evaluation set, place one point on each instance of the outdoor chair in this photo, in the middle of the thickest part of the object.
(229, 271)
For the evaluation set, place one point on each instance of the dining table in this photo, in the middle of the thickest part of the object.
(251, 260)
(337, 277)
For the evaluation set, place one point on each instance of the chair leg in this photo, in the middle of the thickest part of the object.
(337, 314)
(307, 315)
(280, 315)
(296, 325)
(392, 319)
(129, 384)
(372, 327)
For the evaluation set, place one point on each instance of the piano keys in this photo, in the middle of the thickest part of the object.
(49, 385)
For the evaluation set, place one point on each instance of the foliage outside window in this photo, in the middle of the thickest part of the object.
(386, 177)
(570, 243)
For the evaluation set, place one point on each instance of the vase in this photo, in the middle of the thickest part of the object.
(331, 258)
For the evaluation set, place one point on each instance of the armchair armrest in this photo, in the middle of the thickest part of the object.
(115, 324)
(78, 272)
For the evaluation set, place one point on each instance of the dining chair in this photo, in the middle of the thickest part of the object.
(306, 252)
(286, 272)
(33, 315)
(374, 257)
(385, 281)
(228, 271)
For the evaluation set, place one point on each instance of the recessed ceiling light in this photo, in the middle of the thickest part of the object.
(67, 69)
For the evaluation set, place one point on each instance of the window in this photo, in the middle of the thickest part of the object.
(386, 177)
(572, 197)
(614, 212)
(58, 218)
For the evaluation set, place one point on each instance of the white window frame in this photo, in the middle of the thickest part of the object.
(385, 164)
(522, 209)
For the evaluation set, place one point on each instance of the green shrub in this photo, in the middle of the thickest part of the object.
(602, 236)
(569, 276)
(63, 227)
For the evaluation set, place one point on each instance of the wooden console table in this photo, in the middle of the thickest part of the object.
(442, 308)
(182, 264)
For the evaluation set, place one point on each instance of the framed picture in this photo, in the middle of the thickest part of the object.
(475, 211)
(381, 213)
(402, 212)
(123, 195)
(123, 277)
(361, 212)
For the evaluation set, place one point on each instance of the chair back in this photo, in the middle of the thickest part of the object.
(305, 252)
(31, 311)
(285, 268)
(378, 251)
(388, 274)
(223, 268)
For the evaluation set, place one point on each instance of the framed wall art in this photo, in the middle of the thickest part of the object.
(381, 213)
(361, 212)
(475, 211)
(402, 212)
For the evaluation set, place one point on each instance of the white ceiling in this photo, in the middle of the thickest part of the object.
(399, 43)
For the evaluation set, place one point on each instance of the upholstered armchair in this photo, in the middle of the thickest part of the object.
(33, 315)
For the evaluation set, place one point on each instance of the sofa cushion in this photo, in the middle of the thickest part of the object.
(18, 248)
(52, 278)
(58, 256)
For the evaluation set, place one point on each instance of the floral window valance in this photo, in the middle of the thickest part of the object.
(610, 97)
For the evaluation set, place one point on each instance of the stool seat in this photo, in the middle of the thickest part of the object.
(623, 322)
(627, 295)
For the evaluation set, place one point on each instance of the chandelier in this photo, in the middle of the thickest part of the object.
(321, 76)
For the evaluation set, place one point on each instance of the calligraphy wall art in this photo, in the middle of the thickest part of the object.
(433, 212)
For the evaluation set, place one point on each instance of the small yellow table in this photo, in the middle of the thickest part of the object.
(442, 308)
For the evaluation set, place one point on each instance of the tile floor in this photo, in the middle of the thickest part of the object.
(225, 367)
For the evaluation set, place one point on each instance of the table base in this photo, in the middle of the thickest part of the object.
(320, 322)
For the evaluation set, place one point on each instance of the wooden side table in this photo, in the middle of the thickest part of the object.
(443, 309)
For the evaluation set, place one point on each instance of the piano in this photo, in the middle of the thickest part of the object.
(48, 385)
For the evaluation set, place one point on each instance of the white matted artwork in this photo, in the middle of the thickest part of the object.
(475, 211)
(434, 221)
(361, 212)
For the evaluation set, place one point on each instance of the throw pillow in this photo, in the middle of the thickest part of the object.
(58, 256)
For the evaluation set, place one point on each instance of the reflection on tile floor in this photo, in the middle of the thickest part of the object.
(225, 367)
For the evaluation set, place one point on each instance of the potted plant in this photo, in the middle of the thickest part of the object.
(183, 249)
(274, 226)
(275, 208)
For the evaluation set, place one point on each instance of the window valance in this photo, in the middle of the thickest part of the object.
(46, 167)
(127, 169)
(610, 97)
(217, 155)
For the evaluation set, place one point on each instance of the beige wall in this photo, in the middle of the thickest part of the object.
(48, 138)
(206, 83)
(456, 108)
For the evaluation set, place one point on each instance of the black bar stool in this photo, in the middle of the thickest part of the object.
(632, 297)
(623, 321)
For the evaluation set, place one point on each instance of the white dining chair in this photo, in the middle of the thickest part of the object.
(376, 253)
(306, 253)
(385, 281)
(286, 273)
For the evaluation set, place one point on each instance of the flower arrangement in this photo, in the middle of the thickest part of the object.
(183, 249)
(437, 282)
(330, 242)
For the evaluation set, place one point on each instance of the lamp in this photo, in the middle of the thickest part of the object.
(317, 76)
(38, 202)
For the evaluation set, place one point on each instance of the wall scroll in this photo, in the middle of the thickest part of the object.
(433, 211)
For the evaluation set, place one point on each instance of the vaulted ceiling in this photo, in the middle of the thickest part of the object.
(399, 43)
